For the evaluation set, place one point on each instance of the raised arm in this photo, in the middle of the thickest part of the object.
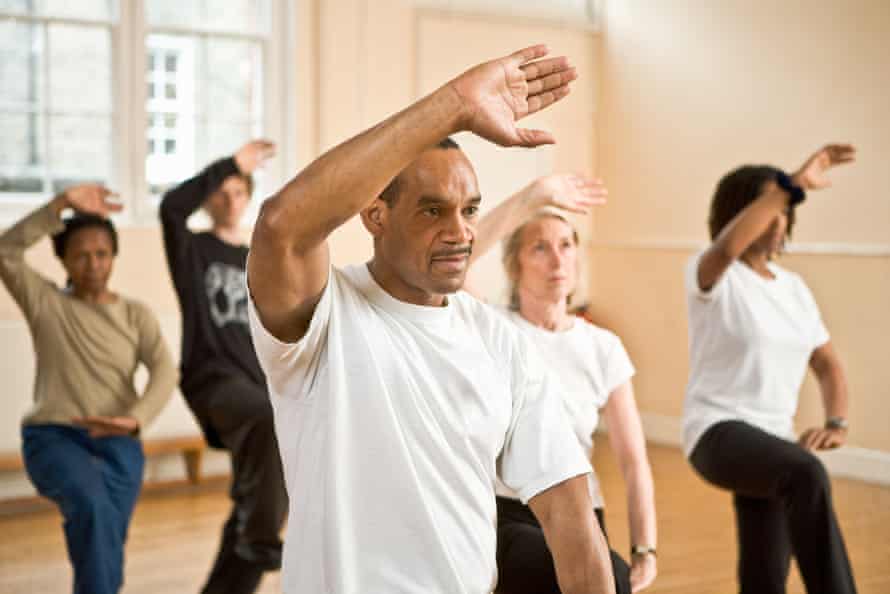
(180, 202)
(629, 444)
(756, 218)
(23, 282)
(567, 192)
(826, 365)
(580, 554)
(289, 260)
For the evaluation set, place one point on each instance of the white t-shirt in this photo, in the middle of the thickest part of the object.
(393, 421)
(589, 363)
(750, 340)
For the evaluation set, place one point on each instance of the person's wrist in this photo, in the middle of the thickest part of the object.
(449, 100)
(641, 552)
(837, 423)
(795, 191)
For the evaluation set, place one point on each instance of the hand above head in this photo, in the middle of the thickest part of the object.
(497, 94)
(568, 192)
(643, 570)
(812, 175)
(253, 155)
(93, 199)
(102, 426)
(822, 438)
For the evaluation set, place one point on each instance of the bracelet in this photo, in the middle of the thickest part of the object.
(796, 195)
(836, 423)
(640, 551)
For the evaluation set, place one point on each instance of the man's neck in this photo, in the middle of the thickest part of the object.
(552, 316)
(231, 235)
(393, 284)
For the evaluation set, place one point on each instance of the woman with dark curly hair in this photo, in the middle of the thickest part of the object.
(80, 438)
(754, 327)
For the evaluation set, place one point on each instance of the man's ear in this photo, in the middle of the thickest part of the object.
(374, 217)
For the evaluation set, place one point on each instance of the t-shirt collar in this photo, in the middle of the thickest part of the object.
(422, 314)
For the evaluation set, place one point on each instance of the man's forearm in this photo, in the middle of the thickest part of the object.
(579, 550)
(346, 179)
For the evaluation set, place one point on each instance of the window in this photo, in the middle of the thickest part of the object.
(73, 100)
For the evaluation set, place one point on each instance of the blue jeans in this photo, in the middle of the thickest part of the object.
(95, 483)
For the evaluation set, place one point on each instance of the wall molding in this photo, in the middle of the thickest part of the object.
(868, 250)
(580, 15)
(862, 464)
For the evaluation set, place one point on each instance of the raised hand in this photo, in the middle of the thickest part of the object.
(812, 175)
(253, 154)
(569, 192)
(497, 94)
(92, 199)
(100, 426)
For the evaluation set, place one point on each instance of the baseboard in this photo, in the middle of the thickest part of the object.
(871, 466)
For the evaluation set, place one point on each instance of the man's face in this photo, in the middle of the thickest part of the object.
(226, 206)
(425, 238)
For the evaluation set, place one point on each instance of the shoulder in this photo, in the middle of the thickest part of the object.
(139, 313)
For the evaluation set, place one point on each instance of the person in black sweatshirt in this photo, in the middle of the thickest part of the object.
(221, 377)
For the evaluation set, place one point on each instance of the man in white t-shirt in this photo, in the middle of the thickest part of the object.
(399, 400)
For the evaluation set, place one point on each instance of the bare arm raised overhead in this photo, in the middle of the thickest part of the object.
(289, 258)
(756, 218)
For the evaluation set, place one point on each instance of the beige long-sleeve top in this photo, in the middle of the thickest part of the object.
(87, 354)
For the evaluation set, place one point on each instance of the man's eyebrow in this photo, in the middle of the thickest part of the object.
(431, 201)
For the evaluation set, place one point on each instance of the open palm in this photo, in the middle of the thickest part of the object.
(497, 94)
(569, 192)
(92, 199)
(813, 174)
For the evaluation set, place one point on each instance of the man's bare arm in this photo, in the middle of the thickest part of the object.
(289, 259)
(572, 532)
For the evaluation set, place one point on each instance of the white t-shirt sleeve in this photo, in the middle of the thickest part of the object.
(618, 369)
(691, 281)
(281, 361)
(541, 449)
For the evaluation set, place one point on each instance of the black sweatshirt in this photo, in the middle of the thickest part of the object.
(208, 275)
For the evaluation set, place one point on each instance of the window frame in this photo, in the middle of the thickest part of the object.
(129, 31)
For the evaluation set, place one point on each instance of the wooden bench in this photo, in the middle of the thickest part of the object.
(191, 448)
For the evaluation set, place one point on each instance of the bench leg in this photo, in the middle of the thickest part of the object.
(193, 465)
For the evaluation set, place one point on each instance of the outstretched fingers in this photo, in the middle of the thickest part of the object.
(547, 98)
(525, 55)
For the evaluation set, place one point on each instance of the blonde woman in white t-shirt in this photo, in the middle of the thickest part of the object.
(541, 260)
(754, 327)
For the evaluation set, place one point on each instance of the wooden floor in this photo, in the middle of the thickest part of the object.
(173, 536)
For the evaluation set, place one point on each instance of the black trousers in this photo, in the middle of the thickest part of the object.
(525, 565)
(239, 414)
(782, 498)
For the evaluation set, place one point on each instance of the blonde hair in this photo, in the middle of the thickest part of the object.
(510, 251)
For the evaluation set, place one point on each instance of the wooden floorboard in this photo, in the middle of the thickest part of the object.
(174, 535)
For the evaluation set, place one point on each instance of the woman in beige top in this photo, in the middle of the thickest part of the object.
(80, 438)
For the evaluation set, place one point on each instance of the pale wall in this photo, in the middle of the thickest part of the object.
(357, 62)
(693, 88)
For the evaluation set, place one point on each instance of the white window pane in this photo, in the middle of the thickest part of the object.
(21, 65)
(22, 154)
(79, 68)
(224, 138)
(232, 80)
(236, 15)
(100, 10)
(80, 148)
(92, 10)
(241, 16)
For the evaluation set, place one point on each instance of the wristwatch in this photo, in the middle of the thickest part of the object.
(836, 423)
(795, 192)
(640, 551)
